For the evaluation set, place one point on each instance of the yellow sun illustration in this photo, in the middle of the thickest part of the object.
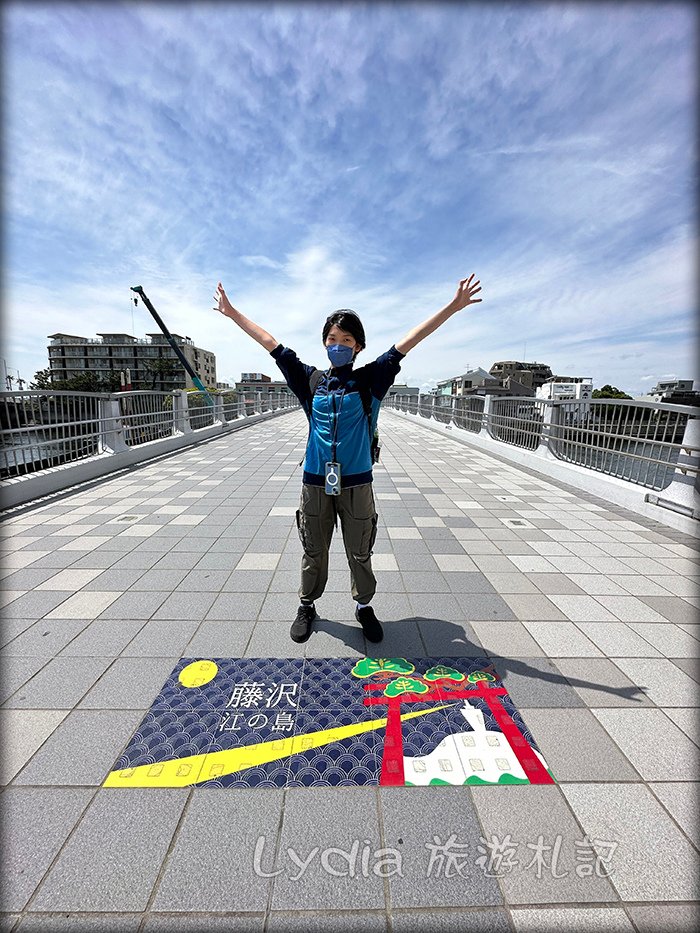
(198, 673)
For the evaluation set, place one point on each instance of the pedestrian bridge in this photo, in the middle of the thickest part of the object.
(585, 608)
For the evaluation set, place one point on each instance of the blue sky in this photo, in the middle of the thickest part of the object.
(316, 157)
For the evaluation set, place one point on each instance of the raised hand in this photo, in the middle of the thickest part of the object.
(223, 305)
(465, 292)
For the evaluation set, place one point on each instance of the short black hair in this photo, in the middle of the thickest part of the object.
(348, 321)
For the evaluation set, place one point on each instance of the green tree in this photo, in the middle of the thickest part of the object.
(42, 379)
(608, 391)
(85, 382)
(160, 370)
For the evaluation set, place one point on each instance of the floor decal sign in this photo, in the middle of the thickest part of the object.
(305, 722)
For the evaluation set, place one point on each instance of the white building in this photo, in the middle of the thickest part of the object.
(566, 388)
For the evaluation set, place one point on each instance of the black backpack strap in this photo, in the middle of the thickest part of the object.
(314, 380)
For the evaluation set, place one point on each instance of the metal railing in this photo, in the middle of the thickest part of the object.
(43, 429)
(639, 442)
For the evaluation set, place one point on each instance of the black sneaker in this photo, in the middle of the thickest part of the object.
(371, 626)
(301, 626)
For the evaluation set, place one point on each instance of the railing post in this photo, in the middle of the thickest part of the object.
(219, 409)
(683, 493)
(548, 435)
(112, 440)
(181, 421)
(486, 415)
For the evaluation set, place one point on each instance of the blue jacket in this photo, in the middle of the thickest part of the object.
(337, 399)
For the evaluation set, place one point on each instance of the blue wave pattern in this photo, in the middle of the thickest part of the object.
(318, 694)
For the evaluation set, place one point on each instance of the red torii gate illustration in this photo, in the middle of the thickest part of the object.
(392, 772)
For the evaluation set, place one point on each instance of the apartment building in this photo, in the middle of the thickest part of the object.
(71, 356)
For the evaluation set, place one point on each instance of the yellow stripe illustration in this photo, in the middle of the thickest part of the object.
(181, 772)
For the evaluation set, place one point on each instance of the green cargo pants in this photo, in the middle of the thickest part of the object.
(316, 517)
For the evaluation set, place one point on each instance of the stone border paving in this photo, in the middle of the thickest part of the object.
(579, 601)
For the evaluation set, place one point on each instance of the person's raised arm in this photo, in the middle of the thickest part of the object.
(463, 297)
(224, 306)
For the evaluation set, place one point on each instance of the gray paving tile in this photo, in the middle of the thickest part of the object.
(531, 815)
(687, 720)
(244, 607)
(561, 639)
(675, 918)
(415, 818)
(158, 638)
(670, 639)
(629, 815)
(600, 682)
(11, 628)
(112, 860)
(23, 732)
(158, 579)
(618, 640)
(571, 920)
(389, 607)
(477, 607)
(681, 800)
(28, 578)
(672, 608)
(35, 604)
(36, 823)
(8, 922)
(477, 582)
(60, 684)
(555, 584)
(449, 639)
(355, 921)
(333, 818)
(477, 920)
(535, 682)
(529, 606)
(576, 747)
(204, 923)
(328, 638)
(189, 606)
(636, 731)
(193, 879)
(103, 638)
(134, 605)
(439, 606)
(130, 683)
(79, 923)
(45, 638)
(664, 683)
(14, 672)
(82, 749)
(690, 666)
(271, 639)
(116, 579)
(401, 639)
(219, 640)
(507, 637)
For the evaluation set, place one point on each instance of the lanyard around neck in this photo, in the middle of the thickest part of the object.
(335, 424)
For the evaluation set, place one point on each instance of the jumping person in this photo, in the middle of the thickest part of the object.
(342, 407)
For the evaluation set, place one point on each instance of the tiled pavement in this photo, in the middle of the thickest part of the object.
(580, 604)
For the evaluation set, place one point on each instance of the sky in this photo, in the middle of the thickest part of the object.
(313, 157)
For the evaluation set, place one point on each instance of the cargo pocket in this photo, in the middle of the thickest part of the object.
(308, 521)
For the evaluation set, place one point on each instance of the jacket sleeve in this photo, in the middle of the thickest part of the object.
(384, 371)
(296, 374)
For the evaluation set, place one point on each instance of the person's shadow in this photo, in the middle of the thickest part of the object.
(452, 642)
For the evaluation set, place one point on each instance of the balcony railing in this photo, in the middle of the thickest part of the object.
(636, 441)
